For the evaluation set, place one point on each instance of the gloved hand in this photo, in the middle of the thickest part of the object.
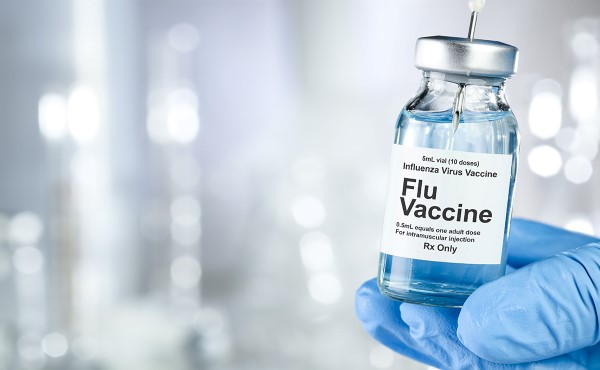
(544, 315)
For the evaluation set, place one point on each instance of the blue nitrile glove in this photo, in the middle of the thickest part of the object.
(544, 315)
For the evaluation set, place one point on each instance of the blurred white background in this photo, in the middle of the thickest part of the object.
(200, 184)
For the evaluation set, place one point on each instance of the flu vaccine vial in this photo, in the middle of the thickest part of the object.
(453, 169)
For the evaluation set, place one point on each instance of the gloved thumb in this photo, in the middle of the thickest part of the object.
(543, 310)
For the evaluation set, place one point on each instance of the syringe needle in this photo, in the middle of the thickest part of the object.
(459, 100)
(473, 25)
(476, 7)
(457, 108)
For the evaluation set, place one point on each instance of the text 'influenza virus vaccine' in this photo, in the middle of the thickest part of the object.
(453, 169)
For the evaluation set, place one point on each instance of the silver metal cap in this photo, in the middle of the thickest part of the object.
(460, 56)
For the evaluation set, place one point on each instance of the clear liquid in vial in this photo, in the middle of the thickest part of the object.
(440, 283)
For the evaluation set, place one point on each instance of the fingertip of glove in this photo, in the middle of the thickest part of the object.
(409, 313)
(424, 321)
(493, 321)
(363, 299)
(378, 314)
(478, 343)
(539, 311)
(478, 325)
(469, 334)
(414, 316)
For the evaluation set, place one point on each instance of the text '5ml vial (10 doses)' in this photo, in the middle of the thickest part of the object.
(453, 169)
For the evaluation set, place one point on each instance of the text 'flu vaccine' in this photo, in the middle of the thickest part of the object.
(453, 169)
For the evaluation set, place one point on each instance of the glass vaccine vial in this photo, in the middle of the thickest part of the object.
(453, 170)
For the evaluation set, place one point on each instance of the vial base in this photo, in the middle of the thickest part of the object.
(423, 293)
(432, 283)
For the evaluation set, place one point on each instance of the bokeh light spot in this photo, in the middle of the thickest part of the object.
(584, 45)
(581, 225)
(545, 115)
(544, 161)
(583, 94)
(55, 345)
(325, 288)
(25, 228)
(28, 260)
(52, 116)
(83, 114)
(185, 272)
(308, 211)
(316, 251)
(578, 170)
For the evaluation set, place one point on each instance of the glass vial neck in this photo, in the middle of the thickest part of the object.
(466, 80)
(439, 94)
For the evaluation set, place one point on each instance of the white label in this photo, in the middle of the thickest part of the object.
(446, 206)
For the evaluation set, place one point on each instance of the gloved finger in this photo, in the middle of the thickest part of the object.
(542, 310)
(381, 319)
(530, 241)
(434, 329)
